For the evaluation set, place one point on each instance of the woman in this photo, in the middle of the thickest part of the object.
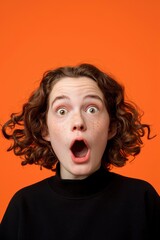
(78, 124)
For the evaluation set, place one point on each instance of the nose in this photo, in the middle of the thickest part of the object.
(78, 123)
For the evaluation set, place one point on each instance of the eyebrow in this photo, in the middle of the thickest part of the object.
(64, 97)
(94, 97)
(60, 98)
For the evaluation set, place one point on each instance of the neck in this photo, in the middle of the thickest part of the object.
(65, 174)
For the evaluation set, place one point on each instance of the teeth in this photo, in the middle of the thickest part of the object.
(79, 149)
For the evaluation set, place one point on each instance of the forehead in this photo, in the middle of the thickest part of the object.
(77, 86)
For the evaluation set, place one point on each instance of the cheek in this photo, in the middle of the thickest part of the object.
(101, 125)
(100, 134)
(57, 133)
(56, 139)
(98, 125)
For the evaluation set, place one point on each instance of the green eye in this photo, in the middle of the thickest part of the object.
(92, 110)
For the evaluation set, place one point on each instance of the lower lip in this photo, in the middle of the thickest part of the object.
(81, 159)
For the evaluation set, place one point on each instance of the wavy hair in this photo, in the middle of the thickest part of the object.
(26, 128)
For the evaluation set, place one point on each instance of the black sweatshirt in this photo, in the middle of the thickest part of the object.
(104, 206)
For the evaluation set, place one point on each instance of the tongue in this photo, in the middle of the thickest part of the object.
(79, 149)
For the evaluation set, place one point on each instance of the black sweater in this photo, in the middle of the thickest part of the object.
(104, 206)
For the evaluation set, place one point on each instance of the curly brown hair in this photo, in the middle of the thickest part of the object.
(26, 129)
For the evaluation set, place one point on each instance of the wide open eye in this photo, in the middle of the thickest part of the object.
(62, 111)
(92, 110)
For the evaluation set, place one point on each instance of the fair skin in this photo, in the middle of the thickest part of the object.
(78, 126)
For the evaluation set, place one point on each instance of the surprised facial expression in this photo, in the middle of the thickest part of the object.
(78, 126)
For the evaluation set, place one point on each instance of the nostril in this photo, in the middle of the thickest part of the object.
(81, 127)
(78, 127)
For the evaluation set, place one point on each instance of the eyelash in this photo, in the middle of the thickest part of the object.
(92, 107)
(61, 109)
(65, 111)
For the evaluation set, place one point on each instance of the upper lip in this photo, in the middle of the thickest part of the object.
(79, 139)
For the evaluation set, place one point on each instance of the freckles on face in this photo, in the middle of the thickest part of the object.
(77, 112)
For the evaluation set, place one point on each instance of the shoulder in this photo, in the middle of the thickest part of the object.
(34, 191)
(132, 183)
(134, 187)
(25, 200)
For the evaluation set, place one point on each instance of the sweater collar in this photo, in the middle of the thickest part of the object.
(91, 185)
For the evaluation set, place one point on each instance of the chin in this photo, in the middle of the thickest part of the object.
(82, 171)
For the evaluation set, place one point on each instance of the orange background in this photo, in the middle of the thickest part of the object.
(119, 36)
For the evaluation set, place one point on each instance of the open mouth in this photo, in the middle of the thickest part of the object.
(79, 149)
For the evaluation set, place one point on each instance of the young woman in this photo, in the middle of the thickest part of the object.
(78, 124)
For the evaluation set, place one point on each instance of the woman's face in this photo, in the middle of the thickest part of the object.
(78, 126)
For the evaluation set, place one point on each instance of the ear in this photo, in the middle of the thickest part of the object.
(112, 131)
(45, 135)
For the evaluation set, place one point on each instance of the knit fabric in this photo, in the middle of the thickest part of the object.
(104, 206)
